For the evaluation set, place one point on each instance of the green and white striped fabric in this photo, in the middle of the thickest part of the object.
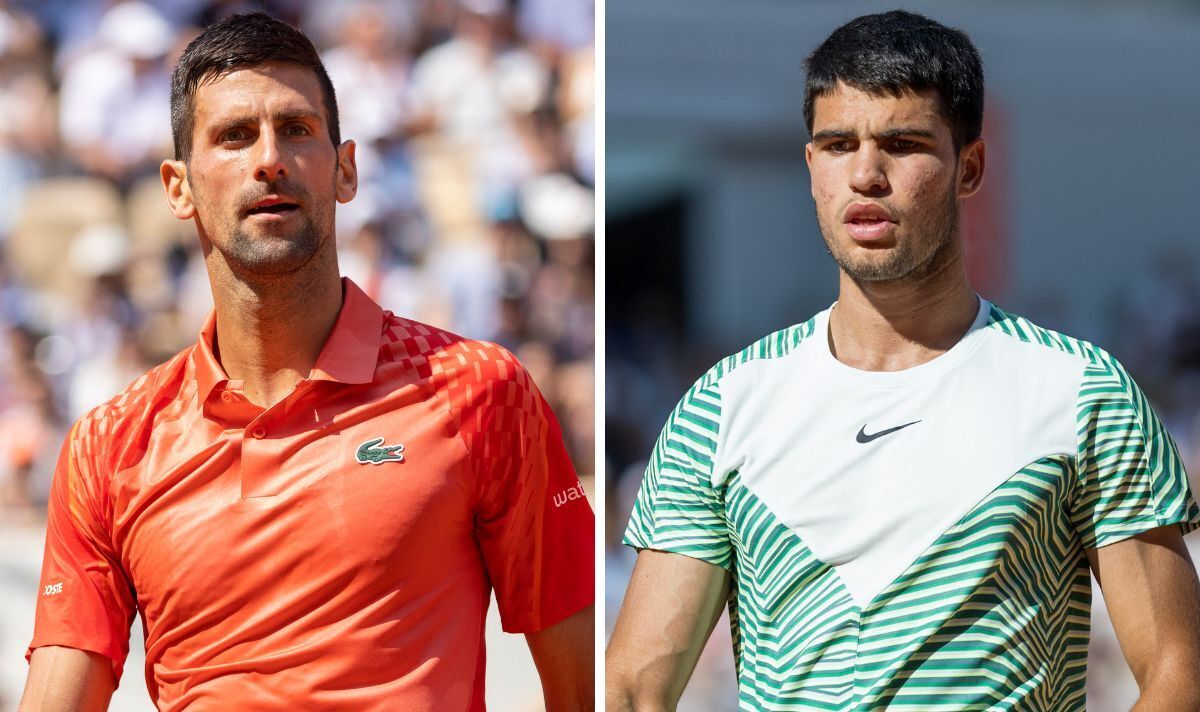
(992, 609)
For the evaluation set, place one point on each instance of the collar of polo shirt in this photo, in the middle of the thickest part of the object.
(349, 355)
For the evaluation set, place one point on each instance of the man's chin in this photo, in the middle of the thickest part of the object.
(275, 265)
(263, 259)
(884, 265)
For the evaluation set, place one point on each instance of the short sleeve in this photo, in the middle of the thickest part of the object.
(678, 509)
(1130, 476)
(85, 600)
(533, 521)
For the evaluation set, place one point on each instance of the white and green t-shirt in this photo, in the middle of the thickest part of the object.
(913, 539)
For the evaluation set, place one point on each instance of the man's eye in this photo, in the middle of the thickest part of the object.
(296, 130)
(903, 144)
(838, 146)
(234, 135)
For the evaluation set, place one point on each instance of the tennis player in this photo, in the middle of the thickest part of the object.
(900, 499)
(310, 506)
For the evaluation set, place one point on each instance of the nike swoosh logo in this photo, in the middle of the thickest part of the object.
(862, 436)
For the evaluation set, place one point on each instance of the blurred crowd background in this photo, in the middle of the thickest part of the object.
(711, 241)
(475, 129)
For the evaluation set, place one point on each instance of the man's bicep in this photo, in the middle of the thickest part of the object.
(672, 603)
(67, 679)
(85, 600)
(533, 522)
(1151, 591)
(1131, 477)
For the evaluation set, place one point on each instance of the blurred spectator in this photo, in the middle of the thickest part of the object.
(471, 90)
(115, 99)
(561, 25)
(29, 421)
(27, 136)
(369, 65)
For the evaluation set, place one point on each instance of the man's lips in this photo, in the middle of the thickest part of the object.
(273, 206)
(867, 222)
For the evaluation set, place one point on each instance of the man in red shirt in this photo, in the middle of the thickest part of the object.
(310, 506)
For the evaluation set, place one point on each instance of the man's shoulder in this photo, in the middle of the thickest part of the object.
(165, 379)
(764, 351)
(117, 419)
(1094, 358)
(440, 355)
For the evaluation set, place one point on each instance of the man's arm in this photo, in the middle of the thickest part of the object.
(62, 679)
(670, 609)
(565, 656)
(1153, 596)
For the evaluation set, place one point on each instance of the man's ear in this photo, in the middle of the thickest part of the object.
(177, 188)
(972, 159)
(808, 155)
(346, 181)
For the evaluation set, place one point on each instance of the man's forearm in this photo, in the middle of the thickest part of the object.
(639, 683)
(571, 695)
(620, 697)
(1172, 689)
(563, 654)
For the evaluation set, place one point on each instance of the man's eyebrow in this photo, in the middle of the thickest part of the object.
(298, 114)
(231, 123)
(282, 117)
(829, 134)
(901, 132)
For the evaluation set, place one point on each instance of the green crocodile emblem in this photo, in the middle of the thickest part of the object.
(370, 453)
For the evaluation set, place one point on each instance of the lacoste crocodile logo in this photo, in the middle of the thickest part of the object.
(370, 453)
(862, 436)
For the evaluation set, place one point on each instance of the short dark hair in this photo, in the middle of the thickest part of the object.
(893, 51)
(236, 42)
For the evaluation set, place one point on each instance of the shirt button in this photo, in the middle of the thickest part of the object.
(227, 397)
(258, 433)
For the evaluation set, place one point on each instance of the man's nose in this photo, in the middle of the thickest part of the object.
(269, 162)
(869, 174)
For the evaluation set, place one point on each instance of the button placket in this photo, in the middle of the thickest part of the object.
(261, 475)
(257, 469)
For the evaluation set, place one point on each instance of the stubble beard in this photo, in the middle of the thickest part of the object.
(909, 261)
(269, 251)
(274, 255)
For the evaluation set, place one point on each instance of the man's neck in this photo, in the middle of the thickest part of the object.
(269, 334)
(893, 326)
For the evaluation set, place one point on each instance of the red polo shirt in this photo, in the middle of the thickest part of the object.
(334, 551)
